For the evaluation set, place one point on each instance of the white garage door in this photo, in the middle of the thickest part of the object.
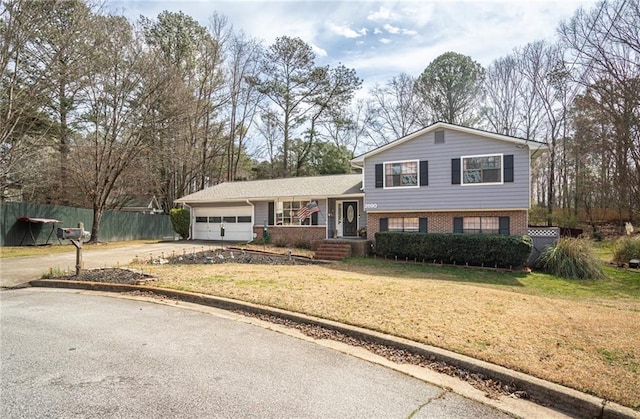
(236, 221)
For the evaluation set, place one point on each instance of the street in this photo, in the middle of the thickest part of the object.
(77, 354)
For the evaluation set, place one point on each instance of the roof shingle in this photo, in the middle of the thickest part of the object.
(297, 187)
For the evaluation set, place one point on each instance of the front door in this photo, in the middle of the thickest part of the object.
(350, 218)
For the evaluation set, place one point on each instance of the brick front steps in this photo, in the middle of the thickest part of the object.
(333, 251)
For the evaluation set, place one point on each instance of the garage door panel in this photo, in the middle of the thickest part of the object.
(237, 223)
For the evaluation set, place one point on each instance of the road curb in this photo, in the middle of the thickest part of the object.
(558, 397)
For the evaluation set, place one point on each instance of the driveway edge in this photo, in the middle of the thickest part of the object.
(556, 396)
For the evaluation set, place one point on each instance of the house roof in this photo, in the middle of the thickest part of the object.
(533, 145)
(296, 187)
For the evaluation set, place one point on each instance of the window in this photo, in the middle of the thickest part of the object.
(405, 224)
(480, 225)
(482, 169)
(229, 219)
(285, 212)
(401, 174)
(201, 219)
(216, 220)
(244, 218)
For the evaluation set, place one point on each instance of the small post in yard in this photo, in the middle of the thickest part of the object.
(78, 245)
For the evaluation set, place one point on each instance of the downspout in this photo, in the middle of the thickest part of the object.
(190, 221)
(326, 221)
(253, 217)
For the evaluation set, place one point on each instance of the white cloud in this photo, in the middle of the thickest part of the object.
(320, 52)
(346, 31)
(391, 29)
(382, 14)
(396, 30)
(377, 31)
(385, 40)
(419, 14)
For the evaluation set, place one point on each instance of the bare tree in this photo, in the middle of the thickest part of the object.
(503, 102)
(605, 44)
(243, 59)
(189, 143)
(394, 110)
(23, 124)
(121, 93)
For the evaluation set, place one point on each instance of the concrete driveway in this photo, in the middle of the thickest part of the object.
(78, 354)
(16, 271)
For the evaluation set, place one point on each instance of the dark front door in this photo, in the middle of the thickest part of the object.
(350, 219)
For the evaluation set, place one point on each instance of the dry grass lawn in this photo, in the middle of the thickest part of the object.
(55, 248)
(572, 334)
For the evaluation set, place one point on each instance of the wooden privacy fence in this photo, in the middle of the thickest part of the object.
(115, 225)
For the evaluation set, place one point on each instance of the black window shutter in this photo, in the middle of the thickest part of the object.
(458, 225)
(270, 214)
(424, 173)
(455, 171)
(314, 219)
(423, 225)
(508, 168)
(504, 224)
(379, 175)
(384, 224)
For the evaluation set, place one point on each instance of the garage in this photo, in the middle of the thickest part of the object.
(236, 221)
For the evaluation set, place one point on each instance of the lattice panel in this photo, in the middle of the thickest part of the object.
(544, 232)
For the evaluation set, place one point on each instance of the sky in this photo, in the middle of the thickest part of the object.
(381, 39)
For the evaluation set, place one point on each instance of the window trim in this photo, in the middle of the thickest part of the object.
(500, 171)
(384, 174)
(499, 231)
(403, 220)
(308, 222)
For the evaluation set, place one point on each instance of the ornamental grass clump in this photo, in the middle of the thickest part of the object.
(572, 259)
(625, 249)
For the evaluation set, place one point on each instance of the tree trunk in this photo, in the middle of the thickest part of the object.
(95, 225)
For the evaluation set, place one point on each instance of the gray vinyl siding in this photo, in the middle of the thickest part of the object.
(261, 211)
(440, 194)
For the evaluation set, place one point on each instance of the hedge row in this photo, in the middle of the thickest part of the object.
(459, 249)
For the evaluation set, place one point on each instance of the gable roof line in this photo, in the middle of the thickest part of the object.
(532, 144)
(263, 189)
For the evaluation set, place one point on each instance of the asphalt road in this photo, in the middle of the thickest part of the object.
(79, 354)
(16, 271)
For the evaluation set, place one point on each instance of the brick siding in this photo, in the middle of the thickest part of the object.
(299, 236)
(442, 222)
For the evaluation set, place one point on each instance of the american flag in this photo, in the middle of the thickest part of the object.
(307, 210)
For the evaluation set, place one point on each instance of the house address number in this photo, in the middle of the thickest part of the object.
(370, 206)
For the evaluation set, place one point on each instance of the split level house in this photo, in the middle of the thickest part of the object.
(441, 179)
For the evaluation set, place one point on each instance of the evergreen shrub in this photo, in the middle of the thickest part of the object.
(180, 219)
(460, 249)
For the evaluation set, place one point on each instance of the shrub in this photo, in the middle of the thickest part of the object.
(572, 259)
(625, 249)
(180, 220)
(461, 249)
